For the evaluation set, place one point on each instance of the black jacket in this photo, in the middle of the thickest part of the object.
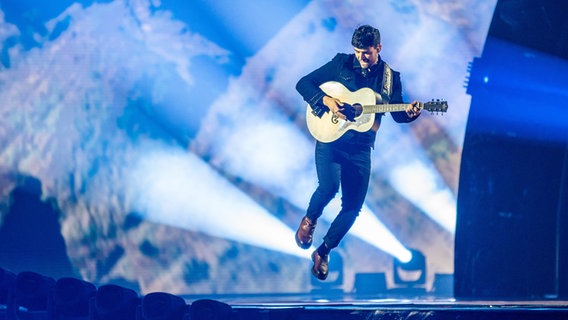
(346, 69)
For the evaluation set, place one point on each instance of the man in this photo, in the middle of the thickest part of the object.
(346, 162)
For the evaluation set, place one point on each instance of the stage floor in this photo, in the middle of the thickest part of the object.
(378, 309)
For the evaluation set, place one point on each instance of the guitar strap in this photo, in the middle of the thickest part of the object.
(386, 90)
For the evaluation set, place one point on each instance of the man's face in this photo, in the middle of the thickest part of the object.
(368, 56)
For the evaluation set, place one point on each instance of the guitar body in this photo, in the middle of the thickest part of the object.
(329, 128)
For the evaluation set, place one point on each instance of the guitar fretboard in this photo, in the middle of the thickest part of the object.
(382, 108)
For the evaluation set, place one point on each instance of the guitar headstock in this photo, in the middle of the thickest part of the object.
(436, 106)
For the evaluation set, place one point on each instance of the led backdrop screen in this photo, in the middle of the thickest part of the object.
(162, 145)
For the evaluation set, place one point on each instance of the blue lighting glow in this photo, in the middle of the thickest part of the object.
(172, 139)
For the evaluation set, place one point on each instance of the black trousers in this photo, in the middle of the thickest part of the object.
(346, 165)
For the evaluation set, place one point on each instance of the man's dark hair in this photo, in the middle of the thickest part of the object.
(366, 36)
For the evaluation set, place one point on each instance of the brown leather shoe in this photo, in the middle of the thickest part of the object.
(321, 266)
(305, 233)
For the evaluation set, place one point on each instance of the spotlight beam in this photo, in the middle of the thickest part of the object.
(411, 173)
(176, 188)
(370, 229)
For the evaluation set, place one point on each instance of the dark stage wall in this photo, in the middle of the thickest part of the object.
(510, 241)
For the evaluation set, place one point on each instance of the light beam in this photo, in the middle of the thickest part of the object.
(176, 188)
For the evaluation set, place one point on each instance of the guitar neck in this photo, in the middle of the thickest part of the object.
(383, 108)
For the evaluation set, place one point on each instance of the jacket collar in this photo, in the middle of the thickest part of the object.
(372, 70)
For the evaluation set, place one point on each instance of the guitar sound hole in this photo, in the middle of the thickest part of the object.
(358, 109)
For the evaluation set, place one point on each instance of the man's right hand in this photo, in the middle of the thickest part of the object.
(335, 106)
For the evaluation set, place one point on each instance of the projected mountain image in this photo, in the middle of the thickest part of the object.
(170, 146)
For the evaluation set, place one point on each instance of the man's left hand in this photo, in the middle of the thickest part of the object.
(412, 110)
